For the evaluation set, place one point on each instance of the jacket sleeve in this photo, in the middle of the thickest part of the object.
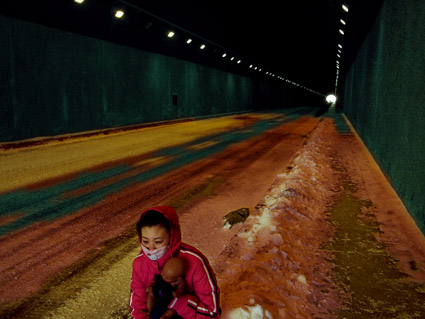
(204, 301)
(138, 295)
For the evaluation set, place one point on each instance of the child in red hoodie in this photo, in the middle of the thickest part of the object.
(164, 287)
(160, 238)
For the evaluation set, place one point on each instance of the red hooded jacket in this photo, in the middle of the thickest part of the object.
(201, 299)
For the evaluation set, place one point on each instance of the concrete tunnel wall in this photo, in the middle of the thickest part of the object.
(385, 99)
(55, 82)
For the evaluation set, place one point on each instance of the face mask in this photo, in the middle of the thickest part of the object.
(156, 253)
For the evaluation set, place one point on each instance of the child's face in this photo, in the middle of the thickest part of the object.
(172, 280)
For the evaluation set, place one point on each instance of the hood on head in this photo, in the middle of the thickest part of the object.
(172, 217)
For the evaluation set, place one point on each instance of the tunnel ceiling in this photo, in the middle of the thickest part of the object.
(294, 41)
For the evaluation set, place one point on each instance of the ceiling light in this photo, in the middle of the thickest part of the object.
(202, 46)
(345, 8)
(79, 1)
(331, 98)
(251, 66)
(341, 31)
(342, 21)
(119, 14)
(338, 55)
(232, 58)
(189, 41)
(170, 34)
(239, 61)
(224, 55)
(340, 46)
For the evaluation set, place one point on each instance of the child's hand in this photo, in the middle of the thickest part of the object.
(145, 311)
(180, 289)
(168, 314)
(149, 289)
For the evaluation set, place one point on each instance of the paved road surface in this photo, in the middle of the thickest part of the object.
(68, 208)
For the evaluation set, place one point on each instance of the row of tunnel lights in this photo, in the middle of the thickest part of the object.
(171, 34)
(339, 49)
(119, 14)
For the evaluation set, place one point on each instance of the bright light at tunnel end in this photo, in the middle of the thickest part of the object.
(331, 98)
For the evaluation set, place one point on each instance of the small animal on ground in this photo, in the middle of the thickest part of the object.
(235, 217)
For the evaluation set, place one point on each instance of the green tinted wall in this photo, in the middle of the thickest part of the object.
(385, 99)
(54, 82)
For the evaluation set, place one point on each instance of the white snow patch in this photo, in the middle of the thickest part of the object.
(277, 256)
(302, 279)
(254, 312)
